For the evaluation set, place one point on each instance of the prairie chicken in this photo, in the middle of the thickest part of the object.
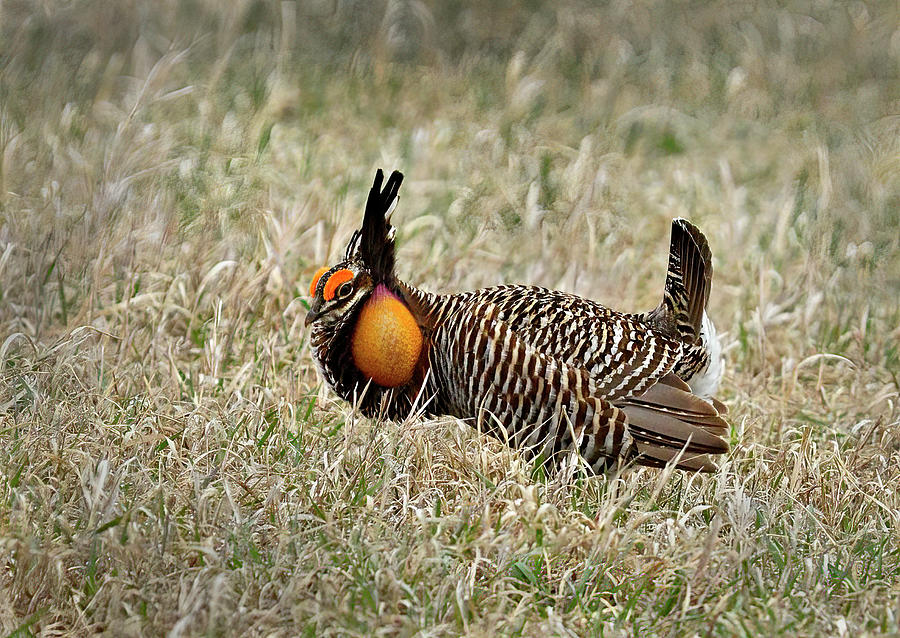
(542, 370)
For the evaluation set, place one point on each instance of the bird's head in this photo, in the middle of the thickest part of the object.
(368, 261)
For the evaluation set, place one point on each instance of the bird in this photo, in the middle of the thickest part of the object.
(546, 372)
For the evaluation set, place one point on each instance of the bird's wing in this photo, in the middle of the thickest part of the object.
(538, 400)
(624, 355)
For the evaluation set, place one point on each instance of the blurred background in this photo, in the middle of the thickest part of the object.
(564, 129)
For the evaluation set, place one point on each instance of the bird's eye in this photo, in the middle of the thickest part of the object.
(345, 289)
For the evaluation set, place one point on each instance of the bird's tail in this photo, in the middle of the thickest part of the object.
(669, 423)
(688, 282)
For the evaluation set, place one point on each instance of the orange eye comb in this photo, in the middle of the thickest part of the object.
(336, 280)
(315, 280)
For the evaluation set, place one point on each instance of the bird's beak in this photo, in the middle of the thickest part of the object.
(315, 311)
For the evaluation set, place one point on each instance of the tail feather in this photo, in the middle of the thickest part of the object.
(720, 407)
(659, 456)
(688, 282)
(676, 382)
(656, 426)
(667, 420)
(677, 401)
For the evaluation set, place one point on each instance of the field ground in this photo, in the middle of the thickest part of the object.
(171, 174)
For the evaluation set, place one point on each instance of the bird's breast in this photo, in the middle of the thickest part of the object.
(386, 341)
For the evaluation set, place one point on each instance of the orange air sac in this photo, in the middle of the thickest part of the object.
(387, 340)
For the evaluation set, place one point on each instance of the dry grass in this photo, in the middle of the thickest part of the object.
(171, 174)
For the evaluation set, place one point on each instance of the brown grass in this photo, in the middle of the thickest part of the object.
(172, 173)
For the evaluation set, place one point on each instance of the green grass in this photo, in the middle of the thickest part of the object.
(171, 176)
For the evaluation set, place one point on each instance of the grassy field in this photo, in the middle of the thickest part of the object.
(172, 173)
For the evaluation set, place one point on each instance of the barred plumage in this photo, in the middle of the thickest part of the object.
(540, 369)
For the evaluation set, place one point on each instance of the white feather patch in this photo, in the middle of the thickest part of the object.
(705, 383)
